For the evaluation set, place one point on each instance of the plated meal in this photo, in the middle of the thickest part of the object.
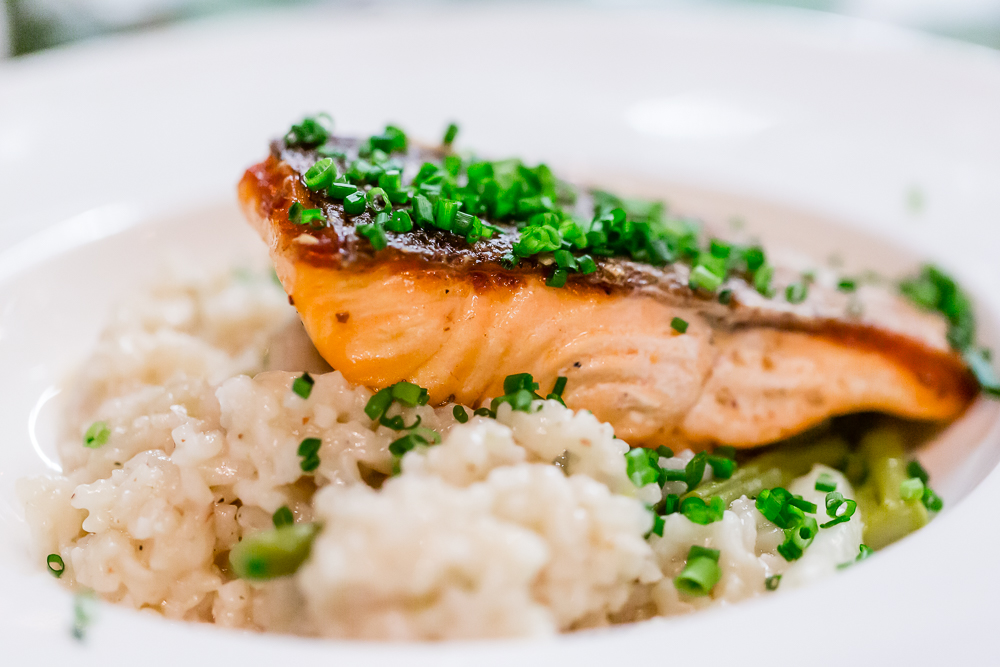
(474, 400)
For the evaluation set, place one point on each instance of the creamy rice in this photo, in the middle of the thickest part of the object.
(523, 525)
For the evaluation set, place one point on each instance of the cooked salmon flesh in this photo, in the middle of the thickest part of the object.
(457, 317)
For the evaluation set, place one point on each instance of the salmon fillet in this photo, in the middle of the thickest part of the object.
(453, 317)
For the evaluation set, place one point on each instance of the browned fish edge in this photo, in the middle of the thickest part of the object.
(274, 184)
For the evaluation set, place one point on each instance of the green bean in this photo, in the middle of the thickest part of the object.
(887, 517)
(273, 553)
(879, 464)
(775, 468)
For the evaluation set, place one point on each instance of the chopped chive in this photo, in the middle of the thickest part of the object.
(397, 424)
(665, 452)
(796, 292)
(914, 469)
(423, 212)
(699, 576)
(412, 440)
(444, 213)
(537, 239)
(375, 235)
(560, 386)
(519, 400)
(464, 224)
(270, 554)
(798, 539)
(309, 453)
(586, 264)
(847, 285)
(391, 180)
(771, 502)
(805, 533)
(450, 134)
(312, 216)
(640, 467)
(311, 131)
(671, 475)
(679, 325)
(658, 525)
(803, 504)
(295, 212)
(771, 583)
(485, 412)
(452, 164)
(565, 259)
(309, 463)
(381, 142)
(864, 551)
(694, 471)
(722, 467)
(321, 174)
(97, 435)
(702, 278)
(754, 258)
(303, 385)
(378, 404)
(935, 290)
(762, 280)
(671, 503)
(341, 190)
(401, 446)
(283, 517)
(355, 203)
(378, 200)
(399, 222)
(330, 151)
(391, 140)
(698, 511)
(825, 482)
(931, 500)
(56, 565)
(558, 278)
(399, 197)
(407, 393)
(726, 297)
(703, 552)
(461, 416)
(834, 501)
(843, 518)
(719, 248)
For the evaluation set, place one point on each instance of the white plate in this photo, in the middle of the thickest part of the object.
(104, 147)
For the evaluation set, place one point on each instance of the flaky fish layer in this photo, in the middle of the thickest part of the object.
(436, 310)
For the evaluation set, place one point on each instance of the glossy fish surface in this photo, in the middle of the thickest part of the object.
(457, 317)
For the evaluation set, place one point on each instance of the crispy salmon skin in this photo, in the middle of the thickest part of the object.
(456, 317)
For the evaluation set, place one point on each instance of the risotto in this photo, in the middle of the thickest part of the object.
(183, 449)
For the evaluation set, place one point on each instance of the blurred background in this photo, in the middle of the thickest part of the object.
(28, 26)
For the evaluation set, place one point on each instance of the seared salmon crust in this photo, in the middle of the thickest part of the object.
(452, 317)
